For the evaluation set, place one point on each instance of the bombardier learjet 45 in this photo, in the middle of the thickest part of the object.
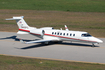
(48, 34)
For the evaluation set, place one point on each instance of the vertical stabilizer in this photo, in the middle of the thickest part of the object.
(20, 22)
(23, 26)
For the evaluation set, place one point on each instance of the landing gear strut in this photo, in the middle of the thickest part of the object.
(93, 45)
(46, 43)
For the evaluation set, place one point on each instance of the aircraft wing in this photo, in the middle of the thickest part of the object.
(37, 41)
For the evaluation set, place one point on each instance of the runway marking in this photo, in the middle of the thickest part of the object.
(50, 59)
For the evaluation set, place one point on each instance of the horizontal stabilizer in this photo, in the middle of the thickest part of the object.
(10, 19)
(16, 18)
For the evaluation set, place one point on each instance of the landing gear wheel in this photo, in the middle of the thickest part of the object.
(60, 42)
(93, 45)
(47, 43)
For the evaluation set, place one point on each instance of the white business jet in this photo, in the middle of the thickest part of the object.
(48, 34)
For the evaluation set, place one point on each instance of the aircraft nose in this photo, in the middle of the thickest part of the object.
(100, 41)
(96, 39)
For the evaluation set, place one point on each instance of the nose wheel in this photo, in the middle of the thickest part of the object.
(93, 45)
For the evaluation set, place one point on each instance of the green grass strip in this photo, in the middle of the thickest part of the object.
(59, 5)
(20, 63)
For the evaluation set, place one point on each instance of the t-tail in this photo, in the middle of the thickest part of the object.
(23, 26)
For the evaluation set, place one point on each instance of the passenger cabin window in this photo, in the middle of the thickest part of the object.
(86, 35)
(63, 33)
(60, 33)
(70, 34)
(55, 33)
(52, 32)
(67, 34)
(73, 34)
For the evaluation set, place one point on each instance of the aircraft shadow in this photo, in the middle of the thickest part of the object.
(78, 44)
(37, 46)
(14, 38)
(42, 45)
(11, 37)
(33, 46)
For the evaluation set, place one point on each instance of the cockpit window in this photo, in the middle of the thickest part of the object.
(86, 35)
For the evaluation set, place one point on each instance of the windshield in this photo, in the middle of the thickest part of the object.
(86, 35)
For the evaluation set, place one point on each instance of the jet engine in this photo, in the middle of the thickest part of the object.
(38, 32)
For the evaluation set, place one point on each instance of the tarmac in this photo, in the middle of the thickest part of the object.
(66, 51)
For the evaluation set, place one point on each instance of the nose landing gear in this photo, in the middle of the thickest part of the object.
(93, 45)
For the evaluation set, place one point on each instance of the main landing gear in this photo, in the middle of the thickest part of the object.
(46, 43)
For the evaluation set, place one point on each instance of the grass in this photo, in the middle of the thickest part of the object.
(20, 63)
(58, 5)
(94, 23)
(83, 15)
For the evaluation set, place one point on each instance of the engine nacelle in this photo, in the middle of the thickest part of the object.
(47, 28)
(37, 32)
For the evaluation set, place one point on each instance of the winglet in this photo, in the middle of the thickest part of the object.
(66, 28)
(21, 40)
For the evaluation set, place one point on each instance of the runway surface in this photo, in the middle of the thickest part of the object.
(10, 45)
